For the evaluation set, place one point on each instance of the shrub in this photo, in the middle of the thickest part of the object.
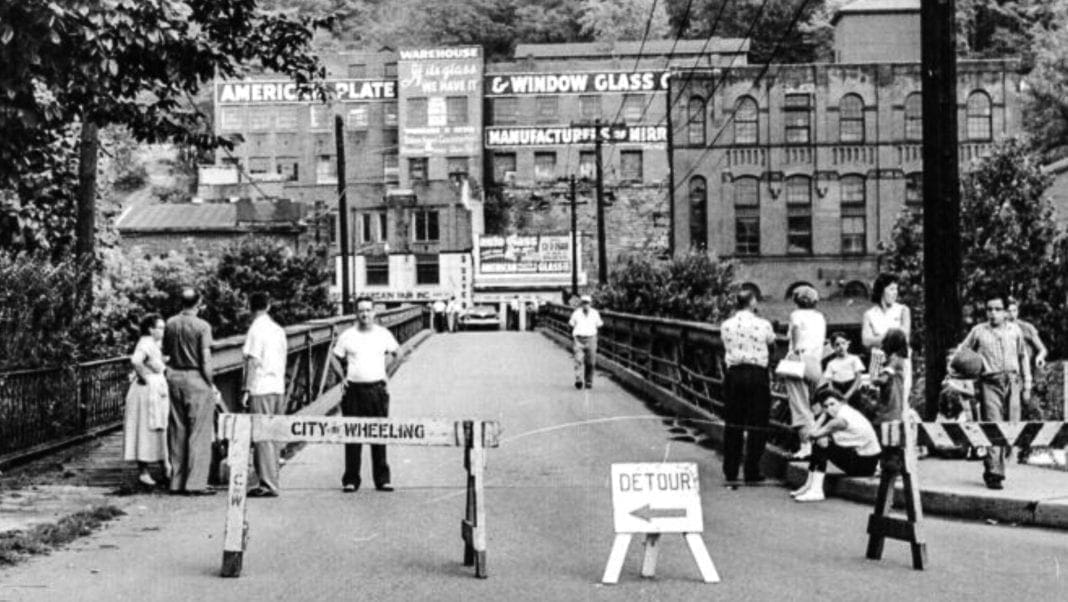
(692, 287)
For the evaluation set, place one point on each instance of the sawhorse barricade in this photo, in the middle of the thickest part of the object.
(900, 441)
(241, 430)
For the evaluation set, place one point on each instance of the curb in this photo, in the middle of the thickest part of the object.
(776, 464)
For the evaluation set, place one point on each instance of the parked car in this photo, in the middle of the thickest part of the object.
(479, 316)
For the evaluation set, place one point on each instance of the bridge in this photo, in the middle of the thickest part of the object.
(548, 500)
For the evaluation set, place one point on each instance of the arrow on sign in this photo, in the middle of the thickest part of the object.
(648, 513)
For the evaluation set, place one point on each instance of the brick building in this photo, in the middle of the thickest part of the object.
(798, 177)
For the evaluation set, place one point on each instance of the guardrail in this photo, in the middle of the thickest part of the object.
(47, 408)
(683, 358)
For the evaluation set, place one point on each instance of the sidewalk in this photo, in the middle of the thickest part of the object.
(1032, 496)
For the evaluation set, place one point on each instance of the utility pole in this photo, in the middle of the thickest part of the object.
(602, 253)
(574, 239)
(85, 230)
(941, 192)
(343, 215)
(671, 171)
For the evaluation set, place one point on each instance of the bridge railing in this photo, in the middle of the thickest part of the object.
(45, 408)
(683, 358)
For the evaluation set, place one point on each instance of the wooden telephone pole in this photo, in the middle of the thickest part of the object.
(343, 215)
(941, 192)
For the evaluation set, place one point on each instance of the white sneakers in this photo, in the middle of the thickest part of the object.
(803, 452)
(803, 488)
(814, 490)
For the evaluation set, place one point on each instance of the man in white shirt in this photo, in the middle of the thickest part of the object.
(584, 323)
(452, 313)
(365, 350)
(265, 385)
(438, 309)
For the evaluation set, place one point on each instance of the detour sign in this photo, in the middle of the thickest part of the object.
(656, 498)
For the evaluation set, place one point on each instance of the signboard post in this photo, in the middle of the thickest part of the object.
(656, 498)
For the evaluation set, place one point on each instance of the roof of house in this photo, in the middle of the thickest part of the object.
(633, 48)
(877, 6)
(1057, 167)
(206, 217)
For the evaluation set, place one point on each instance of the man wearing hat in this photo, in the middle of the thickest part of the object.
(584, 323)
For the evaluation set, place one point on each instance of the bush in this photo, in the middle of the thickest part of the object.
(39, 307)
(692, 287)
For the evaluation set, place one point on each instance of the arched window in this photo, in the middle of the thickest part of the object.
(979, 116)
(854, 214)
(914, 189)
(746, 121)
(799, 215)
(796, 285)
(754, 289)
(855, 289)
(747, 216)
(914, 117)
(698, 213)
(695, 120)
(851, 119)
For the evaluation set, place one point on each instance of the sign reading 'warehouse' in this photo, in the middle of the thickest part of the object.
(549, 136)
(287, 91)
(576, 83)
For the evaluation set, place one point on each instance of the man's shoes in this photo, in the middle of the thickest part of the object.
(994, 484)
(589, 385)
(350, 487)
(578, 384)
(199, 492)
(261, 492)
(755, 480)
(384, 487)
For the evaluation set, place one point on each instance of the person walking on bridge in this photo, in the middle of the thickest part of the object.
(746, 387)
(365, 350)
(584, 323)
(187, 342)
(264, 390)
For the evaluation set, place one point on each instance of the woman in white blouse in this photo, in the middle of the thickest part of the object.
(808, 331)
(147, 403)
(887, 313)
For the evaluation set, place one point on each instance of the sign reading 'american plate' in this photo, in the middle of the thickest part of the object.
(656, 498)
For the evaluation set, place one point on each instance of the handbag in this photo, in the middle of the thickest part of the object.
(790, 366)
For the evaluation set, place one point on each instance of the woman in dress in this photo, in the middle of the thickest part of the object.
(886, 314)
(808, 331)
(147, 403)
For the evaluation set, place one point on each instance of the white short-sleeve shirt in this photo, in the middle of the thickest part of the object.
(266, 342)
(365, 352)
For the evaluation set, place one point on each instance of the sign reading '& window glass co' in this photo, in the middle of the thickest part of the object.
(656, 498)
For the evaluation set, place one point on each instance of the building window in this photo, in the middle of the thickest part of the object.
(259, 165)
(544, 167)
(747, 216)
(914, 117)
(799, 215)
(321, 117)
(698, 213)
(376, 270)
(426, 226)
(358, 71)
(356, 118)
(546, 109)
(456, 167)
(286, 119)
(365, 228)
(426, 269)
(630, 165)
(416, 112)
(232, 118)
(417, 170)
(288, 167)
(797, 116)
(695, 120)
(331, 227)
(382, 226)
(389, 110)
(589, 107)
(854, 214)
(587, 164)
(456, 110)
(325, 169)
(261, 118)
(633, 107)
(914, 189)
(391, 167)
(851, 119)
(979, 115)
(503, 167)
(504, 111)
(389, 70)
(746, 116)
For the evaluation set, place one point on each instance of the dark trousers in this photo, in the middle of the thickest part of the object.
(747, 394)
(366, 400)
(190, 429)
(845, 458)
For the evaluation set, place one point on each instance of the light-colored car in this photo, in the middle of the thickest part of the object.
(479, 316)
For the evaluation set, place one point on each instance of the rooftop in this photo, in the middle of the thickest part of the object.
(877, 6)
(208, 217)
(633, 48)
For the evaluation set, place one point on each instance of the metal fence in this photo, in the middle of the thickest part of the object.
(45, 407)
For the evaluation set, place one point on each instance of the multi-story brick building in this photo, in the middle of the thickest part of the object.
(799, 175)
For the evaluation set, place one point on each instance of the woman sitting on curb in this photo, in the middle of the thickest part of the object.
(846, 438)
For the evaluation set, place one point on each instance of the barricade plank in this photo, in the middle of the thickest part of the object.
(336, 429)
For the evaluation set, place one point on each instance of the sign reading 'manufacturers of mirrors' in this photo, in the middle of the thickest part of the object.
(500, 136)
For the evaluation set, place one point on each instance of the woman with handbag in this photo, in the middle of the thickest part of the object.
(147, 403)
(801, 368)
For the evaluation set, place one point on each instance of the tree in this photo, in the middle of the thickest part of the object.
(1046, 104)
(766, 23)
(612, 20)
(691, 287)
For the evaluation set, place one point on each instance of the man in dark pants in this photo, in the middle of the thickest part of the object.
(746, 388)
(187, 344)
(364, 351)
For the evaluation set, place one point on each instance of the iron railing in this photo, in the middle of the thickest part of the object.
(45, 407)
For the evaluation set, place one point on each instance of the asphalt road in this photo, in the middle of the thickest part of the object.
(549, 516)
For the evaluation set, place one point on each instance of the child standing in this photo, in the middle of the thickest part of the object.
(844, 370)
(893, 395)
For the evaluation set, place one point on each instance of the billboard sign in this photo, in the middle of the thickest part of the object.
(588, 82)
(533, 257)
(429, 79)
